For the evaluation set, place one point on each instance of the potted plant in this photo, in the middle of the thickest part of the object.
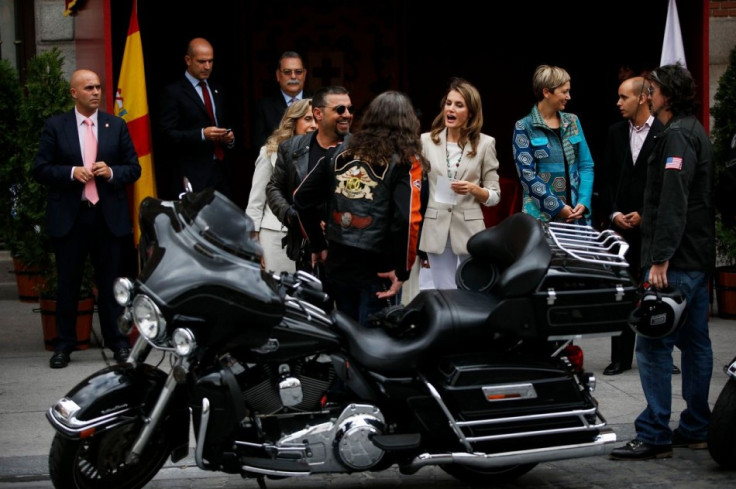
(28, 280)
(46, 93)
(724, 131)
(85, 308)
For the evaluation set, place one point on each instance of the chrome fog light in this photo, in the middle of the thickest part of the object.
(184, 342)
(122, 289)
(147, 317)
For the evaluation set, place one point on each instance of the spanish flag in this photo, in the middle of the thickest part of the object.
(131, 104)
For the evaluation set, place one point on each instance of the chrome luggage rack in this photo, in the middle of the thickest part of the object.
(588, 245)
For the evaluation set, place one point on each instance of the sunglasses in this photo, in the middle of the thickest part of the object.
(299, 72)
(340, 109)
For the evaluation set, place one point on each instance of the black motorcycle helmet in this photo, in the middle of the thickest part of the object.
(658, 313)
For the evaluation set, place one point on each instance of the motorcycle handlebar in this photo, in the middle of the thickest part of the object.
(303, 285)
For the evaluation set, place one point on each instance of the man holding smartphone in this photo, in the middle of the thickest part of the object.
(193, 123)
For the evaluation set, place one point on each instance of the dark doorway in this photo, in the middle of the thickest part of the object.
(373, 46)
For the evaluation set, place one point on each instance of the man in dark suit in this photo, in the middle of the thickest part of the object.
(290, 75)
(87, 159)
(629, 144)
(197, 141)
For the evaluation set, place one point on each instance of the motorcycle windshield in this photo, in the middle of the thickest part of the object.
(203, 261)
(222, 223)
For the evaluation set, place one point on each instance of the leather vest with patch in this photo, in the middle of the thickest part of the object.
(359, 213)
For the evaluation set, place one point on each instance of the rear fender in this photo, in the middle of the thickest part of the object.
(114, 396)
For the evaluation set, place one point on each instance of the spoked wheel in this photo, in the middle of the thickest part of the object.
(98, 462)
(475, 476)
(722, 431)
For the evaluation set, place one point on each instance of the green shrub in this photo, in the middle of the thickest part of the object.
(724, 129)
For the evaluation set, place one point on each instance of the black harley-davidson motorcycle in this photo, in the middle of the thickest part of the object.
(484, 381)
(722, 428)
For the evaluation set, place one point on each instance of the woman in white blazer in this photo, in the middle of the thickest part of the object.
(463, 176)
(297, 119)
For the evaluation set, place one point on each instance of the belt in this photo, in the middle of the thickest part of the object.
(346, 220)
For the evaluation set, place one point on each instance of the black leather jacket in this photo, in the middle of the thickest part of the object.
(679, 214)
(292, 163)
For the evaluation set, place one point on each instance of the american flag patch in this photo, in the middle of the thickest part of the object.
(673, 163)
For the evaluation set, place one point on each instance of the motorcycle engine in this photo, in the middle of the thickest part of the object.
(297, 385)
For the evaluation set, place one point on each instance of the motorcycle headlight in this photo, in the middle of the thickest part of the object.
(122, 289)
(184, 342)
(147, 317)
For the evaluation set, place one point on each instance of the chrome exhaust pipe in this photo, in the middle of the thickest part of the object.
(600, 446)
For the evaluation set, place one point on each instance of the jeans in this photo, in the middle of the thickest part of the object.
(359, 300)
(654, 358)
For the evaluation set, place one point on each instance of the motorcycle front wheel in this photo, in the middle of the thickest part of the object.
(98, 462)
(722, 431)
(474, 476)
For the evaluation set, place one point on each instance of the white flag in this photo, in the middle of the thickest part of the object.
(672, 48)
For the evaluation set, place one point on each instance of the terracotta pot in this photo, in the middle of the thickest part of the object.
(28, 280)
(726, 291)
(84, 322)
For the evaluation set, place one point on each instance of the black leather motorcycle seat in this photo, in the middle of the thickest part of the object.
(518, 247)
(445, 321)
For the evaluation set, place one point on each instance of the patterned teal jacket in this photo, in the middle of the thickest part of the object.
(540, 157)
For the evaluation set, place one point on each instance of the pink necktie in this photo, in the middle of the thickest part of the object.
(90, 155)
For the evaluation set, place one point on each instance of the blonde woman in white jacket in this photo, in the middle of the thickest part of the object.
(462, 178)
(298, 119)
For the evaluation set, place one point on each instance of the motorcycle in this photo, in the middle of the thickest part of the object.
(483, 381)
(722, 428)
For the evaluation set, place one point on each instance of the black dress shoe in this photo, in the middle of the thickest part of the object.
(121, 355)
(59, 359)
(638, 450)
(615, 368)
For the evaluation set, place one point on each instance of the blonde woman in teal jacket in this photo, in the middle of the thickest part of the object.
(552, 158)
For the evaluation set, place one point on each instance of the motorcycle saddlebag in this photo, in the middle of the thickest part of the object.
(503, 396)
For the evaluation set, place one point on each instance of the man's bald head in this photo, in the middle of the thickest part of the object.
(199, 58)
(86, 91)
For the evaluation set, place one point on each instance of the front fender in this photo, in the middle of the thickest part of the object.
(110, 397)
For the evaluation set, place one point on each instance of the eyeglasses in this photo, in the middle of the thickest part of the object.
(650, 91)
(340, 109)
(298, 72)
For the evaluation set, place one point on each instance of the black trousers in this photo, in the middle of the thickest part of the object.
(90, 236)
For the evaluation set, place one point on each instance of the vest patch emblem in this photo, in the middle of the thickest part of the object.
(355, 183)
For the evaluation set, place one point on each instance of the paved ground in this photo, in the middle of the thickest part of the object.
(28, 387)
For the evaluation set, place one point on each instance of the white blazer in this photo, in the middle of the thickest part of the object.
(465, 218)
(257, 208)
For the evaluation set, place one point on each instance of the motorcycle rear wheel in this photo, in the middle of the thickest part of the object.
(98, 462)
(722, 431)
(474, 476)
